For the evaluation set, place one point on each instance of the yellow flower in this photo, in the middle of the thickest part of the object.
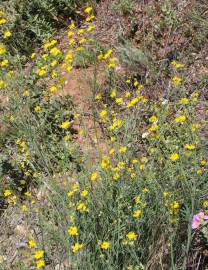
(189, 146)
(174, 157)
(26, 93)
(40, 264)
(153, 119)
(12, 118)
(176, 80)
(2, 84)
(54, 74)
(127, 94)
(55, 51)
(108, 54)
(136, 83)
(180, 119)
(121, 164)
(199, 172)
(153, 127)
(27, 194)
(113, 93)
(80, 32)
(194, 127)
(72, 25)
(88, 10)
(54, 63)
(137, 213)
(2, 49)
(70, 193)
(205, 204)
(105, 163)
(45, 56)
(89, 18)
(75, 187)
(112, 150)
(32, 243)
(4, 63)
(122, 149)
(131, 236)
(105, 245)
(138, 200)
(41, 72)
(203, 162)
(141, 167)
(1, 13)
(73, 231)
(69, 69)
(7, 193)
(116, 176)
(119, 101)
(98, 96)
(53, 89)
(194, 96)
(111, 65)
(175, 205)
(183, 101)
(47, 45)
(176, 64)
(11, 73)
(82, 41)
(24, 208)
(90, 28)
(12, 199)
(3, 21)
(144, 159)
(103, 113)
(65, 125)
(76, 247)
(145, 190)
(84, 193)
(117, 123)
(81, 207)
(94, 176)
(33, 55)
(7, 34)
(112, 138)
(70, 34)
(100, 56)
(37, 109)
(39, 254)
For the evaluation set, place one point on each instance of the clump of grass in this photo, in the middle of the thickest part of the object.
(123, 6)
(133, 59)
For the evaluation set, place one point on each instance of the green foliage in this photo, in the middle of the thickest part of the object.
(134, 59)
(124, 6)
(35, 21)
(169, 16)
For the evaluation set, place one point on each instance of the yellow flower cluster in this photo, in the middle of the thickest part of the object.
(10, 197)
(40, 263)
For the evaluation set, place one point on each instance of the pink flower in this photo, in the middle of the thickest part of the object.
(198, 219)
